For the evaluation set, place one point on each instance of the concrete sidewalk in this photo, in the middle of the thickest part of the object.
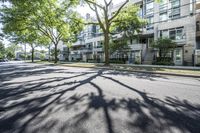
(151, 69)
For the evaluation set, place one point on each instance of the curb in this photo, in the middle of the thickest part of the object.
(138, 71)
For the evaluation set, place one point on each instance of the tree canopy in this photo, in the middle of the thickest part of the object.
(53, 20)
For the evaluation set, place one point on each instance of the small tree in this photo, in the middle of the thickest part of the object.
(10, 50)
(2, 50)
(164, 45)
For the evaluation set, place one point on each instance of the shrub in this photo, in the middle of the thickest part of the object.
(198, 64)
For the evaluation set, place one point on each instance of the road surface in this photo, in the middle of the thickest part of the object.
(41, 98)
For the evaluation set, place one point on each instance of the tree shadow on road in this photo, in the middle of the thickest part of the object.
(21, 111)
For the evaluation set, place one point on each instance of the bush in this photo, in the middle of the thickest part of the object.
(137, 62)
(164, 63)
(164, 59)
(198, 64)
(117, 62)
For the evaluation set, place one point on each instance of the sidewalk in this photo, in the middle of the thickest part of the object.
(151, 69)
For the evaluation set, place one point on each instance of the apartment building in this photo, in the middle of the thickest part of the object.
(178, 20)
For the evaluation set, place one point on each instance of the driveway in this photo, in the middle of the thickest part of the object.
(42, 98)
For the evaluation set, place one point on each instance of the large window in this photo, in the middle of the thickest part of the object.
(149, 8)
(169, 9)
(163, 16)
(163, 5)
(174, 3)
(174, 13)
(150, 22)
(174, 34)
(164, 34)
(174, 6)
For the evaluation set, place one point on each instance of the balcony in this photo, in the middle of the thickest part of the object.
(98, 49)
(137, 46)
(78, 43)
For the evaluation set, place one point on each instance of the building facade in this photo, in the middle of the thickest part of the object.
(178, 20)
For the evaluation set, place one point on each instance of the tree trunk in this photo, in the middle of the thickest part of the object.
(32, 54)
(49, 53)
(56, 54)
(106, 48)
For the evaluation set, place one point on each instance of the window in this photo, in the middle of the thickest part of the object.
(149, 8)
(197, 26)
(99, 44)
(164, 34)
(179, 34)
(150, 22)
(147, 1)
(163, 5)
(174, 3)
(174, 34)
(174, 12)
(163, 16)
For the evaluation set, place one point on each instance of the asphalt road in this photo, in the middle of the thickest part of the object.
(50, 99)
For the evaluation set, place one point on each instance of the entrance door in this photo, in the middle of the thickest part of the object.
(178, 56)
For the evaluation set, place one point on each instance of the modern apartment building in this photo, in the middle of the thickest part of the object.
(178, 20)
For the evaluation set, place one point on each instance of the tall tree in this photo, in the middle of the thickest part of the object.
(53, 19)
(106, 19)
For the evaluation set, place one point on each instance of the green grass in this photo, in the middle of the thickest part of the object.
(129, 68)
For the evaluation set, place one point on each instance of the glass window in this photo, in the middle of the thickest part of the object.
(178, 55)
(179, 34)
(163, 16)
(172, 34)
(149, 8)
(164, 34)
(197, 26)
(163, 2)
(150, 22)
(174, 3)
(147, 1)
(174, 13)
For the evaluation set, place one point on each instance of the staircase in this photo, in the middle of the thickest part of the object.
(148, 57)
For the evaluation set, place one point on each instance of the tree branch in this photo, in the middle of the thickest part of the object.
(118, 11)
(94, 3)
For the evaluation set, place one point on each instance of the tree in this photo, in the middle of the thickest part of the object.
(164, 45)
(106, 21)
(2, 50)
(129, 25)
(53, 19)
(10, 50)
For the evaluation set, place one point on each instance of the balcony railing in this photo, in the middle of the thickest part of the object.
(137, 46)
(81, 51)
